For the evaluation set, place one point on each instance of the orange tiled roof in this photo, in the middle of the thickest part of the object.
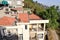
(6, 21)
(34, 17)
(23, 17)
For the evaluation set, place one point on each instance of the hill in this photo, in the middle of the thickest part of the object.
(33, 5)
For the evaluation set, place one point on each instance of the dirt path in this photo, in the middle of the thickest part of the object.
(52, 35)
(58, 32)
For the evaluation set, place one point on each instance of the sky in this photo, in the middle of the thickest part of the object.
(49, 2)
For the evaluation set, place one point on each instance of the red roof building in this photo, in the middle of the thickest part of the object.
(34, 17)
(7, 21)
(22, 17)
(25, 17)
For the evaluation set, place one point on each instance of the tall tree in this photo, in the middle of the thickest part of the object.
(51, 14)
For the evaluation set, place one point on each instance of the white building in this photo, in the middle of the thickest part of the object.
(26, 27)
(22, 26)
(16, 3)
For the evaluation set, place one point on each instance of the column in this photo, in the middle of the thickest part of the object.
(44, 26)
(37, 28)
(44, 31)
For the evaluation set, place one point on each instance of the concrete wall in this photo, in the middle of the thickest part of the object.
(26, 33)
(39, 21)
(20, 30)
(16, 2)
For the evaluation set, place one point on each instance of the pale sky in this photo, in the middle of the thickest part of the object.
(49, 2)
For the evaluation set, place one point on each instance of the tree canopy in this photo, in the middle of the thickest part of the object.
(50, 13)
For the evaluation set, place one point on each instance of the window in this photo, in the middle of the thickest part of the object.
(7, 9)
(25, 26)
(10, 6)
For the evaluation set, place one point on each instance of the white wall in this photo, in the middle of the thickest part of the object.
(21, 11)
(39, 21)
(26, 33)
(21, 30)
(16, 2)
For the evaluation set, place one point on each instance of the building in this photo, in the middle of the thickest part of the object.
(25, 26)
(20, 24)
(13, 3)
(16, 3)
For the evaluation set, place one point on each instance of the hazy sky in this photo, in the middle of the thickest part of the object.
(49, 2)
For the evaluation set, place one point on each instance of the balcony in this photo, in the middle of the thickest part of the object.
(35, 36)
(35, 27)
(37, 31)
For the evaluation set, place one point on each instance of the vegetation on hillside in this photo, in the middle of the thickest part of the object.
(33, 5)
(50, 13)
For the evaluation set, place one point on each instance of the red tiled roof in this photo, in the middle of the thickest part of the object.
(34, 17)
(7, 21)
(18, 8)
(23, 17)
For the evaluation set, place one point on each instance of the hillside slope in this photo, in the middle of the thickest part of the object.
(33, 5)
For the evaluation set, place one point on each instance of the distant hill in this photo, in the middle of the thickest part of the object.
(34, 5)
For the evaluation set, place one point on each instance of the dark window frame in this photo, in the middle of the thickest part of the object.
(26, 27)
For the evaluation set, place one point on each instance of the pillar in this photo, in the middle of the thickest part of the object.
(44, 26)
(37, 28)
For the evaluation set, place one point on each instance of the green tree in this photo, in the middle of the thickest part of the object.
(52, 15)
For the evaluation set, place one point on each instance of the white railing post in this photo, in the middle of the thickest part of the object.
(37, 28)
(44, 26)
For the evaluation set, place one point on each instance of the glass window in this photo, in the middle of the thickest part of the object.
(25, 26)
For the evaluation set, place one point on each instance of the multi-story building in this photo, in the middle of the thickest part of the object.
(19, 24)
(16, 3)
(25, 26)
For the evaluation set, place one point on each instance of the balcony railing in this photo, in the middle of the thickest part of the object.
(34, 27)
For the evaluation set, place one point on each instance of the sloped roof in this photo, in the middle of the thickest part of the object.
(34, 17)
(23, 17)
(6, 21)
